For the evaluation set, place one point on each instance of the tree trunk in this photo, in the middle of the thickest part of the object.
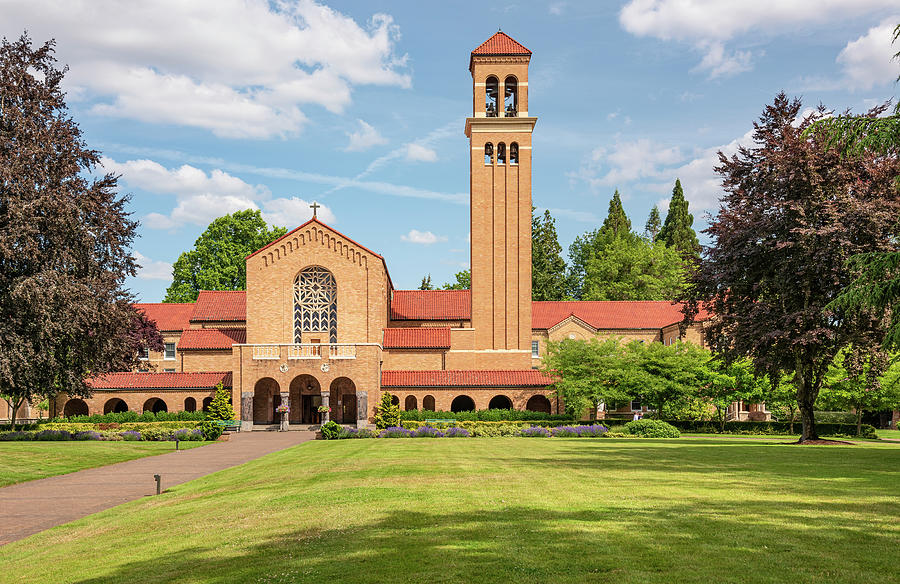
(858, 420)
(14, 406)
(806, 399)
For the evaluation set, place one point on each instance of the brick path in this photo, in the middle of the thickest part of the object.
(34, 506)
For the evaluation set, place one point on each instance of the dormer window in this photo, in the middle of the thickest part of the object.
(511, 97)
(501, 153)
(491, 94)
(514, 153)
(488, 154)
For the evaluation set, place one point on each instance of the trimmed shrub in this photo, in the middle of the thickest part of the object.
(123, 417)
(53, 435)
(157, 434)
(647, 428)
(387, 415)
(484, 416)
(195, 435)
(210, 430)
(768, 428)
(489, 430)
(535, 432)
(331, 430)
(396, 432)
(89, 435)
(457, 433)
(130, 435)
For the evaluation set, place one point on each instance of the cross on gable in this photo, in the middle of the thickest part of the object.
(315, 207)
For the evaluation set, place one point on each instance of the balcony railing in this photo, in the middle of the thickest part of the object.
(307, 351)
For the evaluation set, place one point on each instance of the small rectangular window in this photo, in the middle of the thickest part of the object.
(144, 354)
(168, 371)
(170, 351)
(635, 406)
(535, 348)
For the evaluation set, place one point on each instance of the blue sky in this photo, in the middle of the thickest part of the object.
(206, 107)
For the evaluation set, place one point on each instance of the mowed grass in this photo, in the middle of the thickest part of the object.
(26, 461)
(500, 510)
(892, 434)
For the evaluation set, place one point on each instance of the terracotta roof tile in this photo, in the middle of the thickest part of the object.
(465, 378)
(220, 305)
(168, 316)
(161, 380)
(431, 305)
(417, 338)
(501, 44)
(198, 339)
(608, 314)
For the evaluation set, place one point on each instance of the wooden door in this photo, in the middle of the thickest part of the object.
(348, 408)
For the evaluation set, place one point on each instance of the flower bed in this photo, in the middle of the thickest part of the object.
(150, 434)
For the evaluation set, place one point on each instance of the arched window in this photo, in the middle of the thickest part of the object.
(190, 404)
(501, 153)
(315, 304)
(462, 403)
(489, 153)
(410, 403)
(428, 403)
(511, 97)
(491, 92)
(514, 153)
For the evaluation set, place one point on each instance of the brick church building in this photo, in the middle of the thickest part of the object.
(320, 323)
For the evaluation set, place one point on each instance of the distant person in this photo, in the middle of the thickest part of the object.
(637, 416)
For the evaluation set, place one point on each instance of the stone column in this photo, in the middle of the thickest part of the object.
(326, 401)
(246, 410)
(285, 401)
(362, 409)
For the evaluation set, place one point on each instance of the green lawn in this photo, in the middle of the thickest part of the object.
(500, 510)
(893, 434)
(25, 461)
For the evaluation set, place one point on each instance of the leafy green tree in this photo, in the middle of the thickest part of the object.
(667, 374)
(217, 261)
(729, 383)
(633, 268)
(792, 213)
(426, 283)
(854, 381)
(653, 223)
(548, 268)
(65, 242)
(588, 372)
(677, 230)
(463, 281)
(220, 408)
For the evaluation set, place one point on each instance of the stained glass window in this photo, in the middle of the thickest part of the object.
(315, 303)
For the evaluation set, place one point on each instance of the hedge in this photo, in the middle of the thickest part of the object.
(484, 416)
(123, 417)
(734, 427)
(413, 424)
(135, 426)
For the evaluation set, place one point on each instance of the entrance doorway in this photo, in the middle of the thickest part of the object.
(343, 400)
(306, 397)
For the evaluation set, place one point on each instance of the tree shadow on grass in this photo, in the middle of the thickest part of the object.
(681, 541)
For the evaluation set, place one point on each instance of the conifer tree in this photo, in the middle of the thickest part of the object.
(653, 223)
(548, 268)
(220, 407)
(617, 223)
(426, 283)
(677, 231)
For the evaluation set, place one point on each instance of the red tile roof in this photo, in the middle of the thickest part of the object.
(501, 44)
(198, 339)
(161, 380)
(465, 378)
(417, 338)
(611, 314)
(220, 305)
(168, 316)
(431, 305)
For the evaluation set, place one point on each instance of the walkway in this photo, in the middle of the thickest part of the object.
(34, 506)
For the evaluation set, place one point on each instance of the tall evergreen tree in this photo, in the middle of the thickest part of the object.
(426, 283)
(217, 260)
(653, 223)
(617, 223)
(548, 268)
(677, 231)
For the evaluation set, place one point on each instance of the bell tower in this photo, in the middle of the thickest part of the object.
(499, 133)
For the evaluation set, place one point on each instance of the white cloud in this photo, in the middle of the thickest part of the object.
(422, 237)
(625, 162)
(364, 138)
(867, 60)
(556, 8)
(239, 68)
(293, 212)
(709, 24)
(152, 269)
(419, 153)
